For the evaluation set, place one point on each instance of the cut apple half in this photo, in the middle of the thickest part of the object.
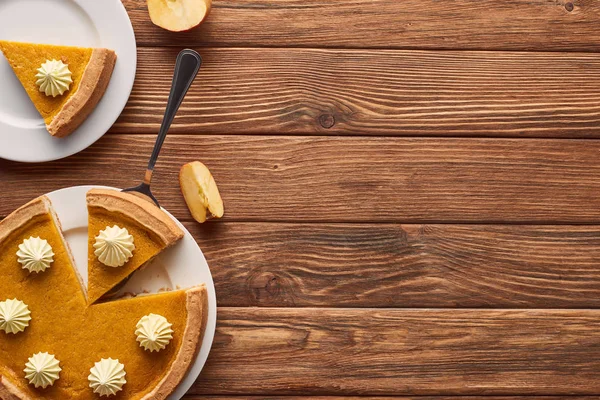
(200, 191)
(178, 15)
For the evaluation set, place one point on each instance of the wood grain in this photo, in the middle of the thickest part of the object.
(241, 397)
(266, 351)
(373, 92)
(459, 24)
(380, 265)
(311, 179)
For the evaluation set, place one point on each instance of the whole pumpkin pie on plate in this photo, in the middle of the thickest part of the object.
(54, 345)
(64, 83)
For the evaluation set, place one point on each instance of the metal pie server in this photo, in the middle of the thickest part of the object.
(186, 68)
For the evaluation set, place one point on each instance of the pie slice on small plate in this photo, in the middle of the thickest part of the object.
(91, 69)
(83, 23)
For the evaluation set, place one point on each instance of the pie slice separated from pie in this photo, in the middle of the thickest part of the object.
(79, 335)
(152, 229)
(91, 69)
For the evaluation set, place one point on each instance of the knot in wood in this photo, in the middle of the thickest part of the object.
(326, 120)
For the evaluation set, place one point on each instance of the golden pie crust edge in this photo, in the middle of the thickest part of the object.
(8, 391)
(35, 208)
(14, 221)
(93, 84)
(140, 210)
(22, 215)
(197, 317)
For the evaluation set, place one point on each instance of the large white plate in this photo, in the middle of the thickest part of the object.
(88, 23)
(181, 266)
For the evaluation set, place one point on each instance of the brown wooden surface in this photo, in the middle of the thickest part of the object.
(315, 179)
(233, 397)
(457, 24)
(240, 397)
(381, 265)
(373, 92)
(419, 352)
(410, 187)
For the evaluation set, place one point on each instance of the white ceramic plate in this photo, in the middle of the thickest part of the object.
(87, 23)
(185, 261)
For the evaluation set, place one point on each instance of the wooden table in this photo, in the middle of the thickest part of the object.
(412, 192)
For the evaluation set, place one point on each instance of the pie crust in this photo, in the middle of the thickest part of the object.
(91, 89)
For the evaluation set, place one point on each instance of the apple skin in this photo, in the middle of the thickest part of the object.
(178, 15)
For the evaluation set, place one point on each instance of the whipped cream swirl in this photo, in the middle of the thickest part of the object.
(42, 369)
(107, 377)
(14, 316)
(35, 254)
(114, 246)
(154, 332)
(53, 78)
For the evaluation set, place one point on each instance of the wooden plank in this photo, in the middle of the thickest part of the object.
(373, 92)
(380, 265)
(337, 179)
(459, 24)
(240, 397)
(403, 352)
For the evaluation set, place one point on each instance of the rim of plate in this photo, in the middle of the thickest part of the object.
(69, 222)
(104, 15)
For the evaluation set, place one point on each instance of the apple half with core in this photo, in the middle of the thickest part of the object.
(200, 191)
(178, 15)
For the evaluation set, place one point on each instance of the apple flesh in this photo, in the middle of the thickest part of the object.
(178, 15)
(200, 191)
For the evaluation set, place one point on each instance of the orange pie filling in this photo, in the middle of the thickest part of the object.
(25, 59)
(101, 277)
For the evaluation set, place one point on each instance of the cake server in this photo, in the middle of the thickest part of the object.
(186, 68)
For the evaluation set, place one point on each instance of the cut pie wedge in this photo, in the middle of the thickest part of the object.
(91, 69)
(78, 334)
(151, 227)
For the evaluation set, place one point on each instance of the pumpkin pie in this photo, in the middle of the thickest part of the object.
(91, 69)
(151, 227)
(79, 335)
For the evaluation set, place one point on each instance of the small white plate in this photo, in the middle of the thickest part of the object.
(86, 23)
(181, 266)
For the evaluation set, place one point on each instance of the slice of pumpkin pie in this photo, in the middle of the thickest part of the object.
(124, 233)
(64, 83)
